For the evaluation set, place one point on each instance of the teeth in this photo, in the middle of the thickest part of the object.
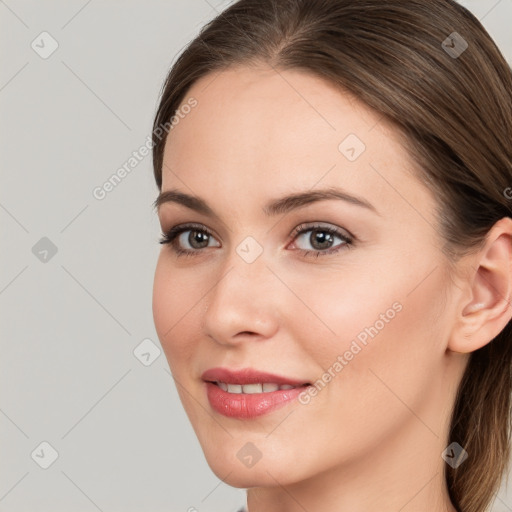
(234, 388)
(266, 387)
(251, 388)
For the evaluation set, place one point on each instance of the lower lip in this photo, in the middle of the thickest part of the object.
(250, 405)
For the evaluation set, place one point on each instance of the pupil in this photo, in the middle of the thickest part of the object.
(323, 238)
(197, 236)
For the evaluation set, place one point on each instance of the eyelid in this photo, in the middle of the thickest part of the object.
(348, 240)
(306, 226)
(186, 226)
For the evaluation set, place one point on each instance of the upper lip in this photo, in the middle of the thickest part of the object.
(247, 376)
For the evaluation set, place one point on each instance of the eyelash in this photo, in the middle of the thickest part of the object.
(173, 233)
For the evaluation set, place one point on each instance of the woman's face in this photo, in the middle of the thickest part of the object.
(360, 312)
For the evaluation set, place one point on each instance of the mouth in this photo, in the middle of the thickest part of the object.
(247, 393)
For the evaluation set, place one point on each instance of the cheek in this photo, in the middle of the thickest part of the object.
(163, 300)
(391, 341)
(375, 335)
(174, 300)
(344, 313)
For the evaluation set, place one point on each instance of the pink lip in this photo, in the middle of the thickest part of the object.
(240, 405)
(247, 376)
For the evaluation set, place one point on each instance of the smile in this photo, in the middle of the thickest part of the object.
(247, 393)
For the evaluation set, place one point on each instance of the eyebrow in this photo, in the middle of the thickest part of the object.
(272, 208)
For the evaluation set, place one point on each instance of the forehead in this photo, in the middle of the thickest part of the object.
(250, 106)
(265, 131)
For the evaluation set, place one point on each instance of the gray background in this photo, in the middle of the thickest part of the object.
(72, 321)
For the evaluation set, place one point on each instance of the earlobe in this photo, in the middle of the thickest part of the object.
(489, 286)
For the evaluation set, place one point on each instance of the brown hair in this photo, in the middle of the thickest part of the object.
(455, 112)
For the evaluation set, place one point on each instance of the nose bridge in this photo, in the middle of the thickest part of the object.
(245, 265)
(240, 300)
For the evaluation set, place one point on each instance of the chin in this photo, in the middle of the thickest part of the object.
(236, 475)
(229, 466)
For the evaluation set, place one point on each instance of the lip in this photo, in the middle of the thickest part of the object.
(241, 405)
(247, 376)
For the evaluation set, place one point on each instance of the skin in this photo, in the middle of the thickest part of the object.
(372, 438)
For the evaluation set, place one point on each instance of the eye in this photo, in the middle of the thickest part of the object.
(190, 239)
(320, 239)
(198, 238)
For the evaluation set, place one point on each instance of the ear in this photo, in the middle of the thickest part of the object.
(489, 287)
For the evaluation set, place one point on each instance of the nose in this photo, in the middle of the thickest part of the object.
(242, 305)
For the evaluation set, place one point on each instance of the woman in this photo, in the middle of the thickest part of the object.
(333, 292)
